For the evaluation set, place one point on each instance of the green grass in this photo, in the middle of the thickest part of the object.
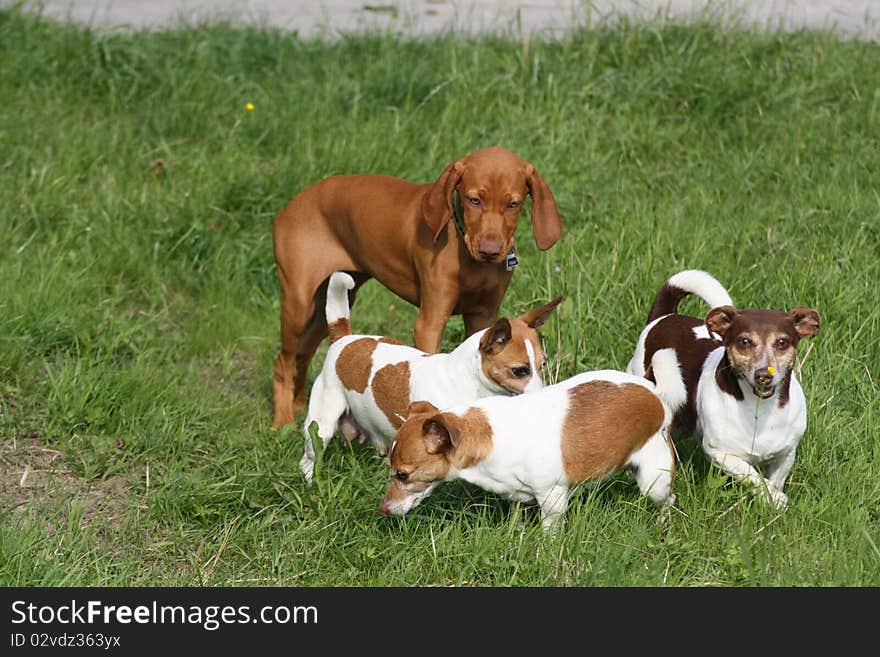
(139, 304)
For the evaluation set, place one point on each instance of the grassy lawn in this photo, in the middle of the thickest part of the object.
(139, 303)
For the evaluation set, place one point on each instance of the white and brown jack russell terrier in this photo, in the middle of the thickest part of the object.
(536, 447)
(368, 382)
(742, 396)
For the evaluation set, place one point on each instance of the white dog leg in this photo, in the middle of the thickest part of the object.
(778, 469)
(553, 505)
(326, 406)
(741, 470)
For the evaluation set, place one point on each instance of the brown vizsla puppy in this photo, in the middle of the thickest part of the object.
(400, 233)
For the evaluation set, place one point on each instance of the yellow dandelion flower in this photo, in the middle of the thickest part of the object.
(772, 370)
(249, 107)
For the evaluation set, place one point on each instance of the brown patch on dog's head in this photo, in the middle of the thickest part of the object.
(391, 392)
(761, 345)
(492, 184)
(426, 448)
(505, 349)
(604, 425)
(355, 362)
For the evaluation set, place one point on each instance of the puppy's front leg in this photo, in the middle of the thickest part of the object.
(433, 316)
(778, 469)
(741, 470)
(480, 311)
(474, 322)
(553, 504)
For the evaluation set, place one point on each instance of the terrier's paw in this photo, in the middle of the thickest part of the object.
(773, 496)
(779, 499)
(307, 466)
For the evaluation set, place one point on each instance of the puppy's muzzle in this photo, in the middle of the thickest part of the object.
(489, 249)
(764, 387)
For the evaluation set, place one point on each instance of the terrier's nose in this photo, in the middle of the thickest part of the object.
(763, 376)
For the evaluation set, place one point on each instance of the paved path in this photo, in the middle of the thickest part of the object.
(853, 18)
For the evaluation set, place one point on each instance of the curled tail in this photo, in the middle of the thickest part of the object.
(337, 308)
(690, 281)
(669, 383)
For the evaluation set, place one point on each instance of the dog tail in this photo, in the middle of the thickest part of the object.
(690, 281)
(337, 308)
(669, 382)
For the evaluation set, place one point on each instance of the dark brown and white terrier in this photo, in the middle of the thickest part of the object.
(742, 396)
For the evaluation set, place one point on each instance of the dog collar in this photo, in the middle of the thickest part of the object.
(458, 217)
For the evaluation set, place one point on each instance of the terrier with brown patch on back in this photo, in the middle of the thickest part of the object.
(368, 382)
(741, 395)
(539, 445)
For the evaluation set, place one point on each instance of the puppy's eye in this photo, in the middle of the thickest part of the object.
(513, 204)
(401, 476)
(473, 200)
(781, 343)
(521, 371)
(745, 343)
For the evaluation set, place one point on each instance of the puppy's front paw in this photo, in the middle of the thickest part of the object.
(307, 466)
(774, 496)
(780, 499)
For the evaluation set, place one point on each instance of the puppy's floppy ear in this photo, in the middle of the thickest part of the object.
(719, 319)
(437, 203)
(421, 407)
(806, 321)
(535, 317)
(441, 433)
(546, 223)
(496, 336)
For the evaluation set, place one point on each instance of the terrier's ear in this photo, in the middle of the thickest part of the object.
(441, 433)
(495, 337)
(806, 321)
(719, 319)
(535, 317)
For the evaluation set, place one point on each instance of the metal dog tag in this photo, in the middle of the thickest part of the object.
(511, 261)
